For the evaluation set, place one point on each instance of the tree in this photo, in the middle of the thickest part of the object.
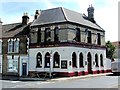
(110, 50)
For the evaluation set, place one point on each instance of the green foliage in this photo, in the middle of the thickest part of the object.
(110, 50)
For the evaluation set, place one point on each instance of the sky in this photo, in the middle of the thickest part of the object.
(105, 14)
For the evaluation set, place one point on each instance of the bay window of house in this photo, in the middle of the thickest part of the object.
(56, 32)
(39, 60)
(10, 45)
(39, 36)
(56, 60)
(12, 64)
(89, 39)
(98, 39)
(47, 35)
(16, 45)
(78, 38)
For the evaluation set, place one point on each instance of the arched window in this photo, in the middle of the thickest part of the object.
(47, 60)
(39, 36)
(74, 60)
(39, 60)
(101, 60)
(98, 39)
(81, 60)
(96, 60)
(56, 60)
(56, 32)
(78, 38)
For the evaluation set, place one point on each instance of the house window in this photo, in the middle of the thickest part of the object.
(78, 39)
(74, 60)
(81, 60)
(56, 32)
(96, 60)
(12, 65)
(101, 60)
(0, 47)
(16, 45)
(10, 45)
(47, 60)
(56, 60)
(39, 60)
(98, 39)
(47, 35)
(39, 36)
(89, 39)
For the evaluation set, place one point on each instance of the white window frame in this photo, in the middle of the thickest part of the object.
(10, 45)
(16, 45)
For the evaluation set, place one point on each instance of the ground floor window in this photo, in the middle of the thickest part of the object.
(56, 60)
(12, 65)
(96, 60)
(81, 60)
(47, 60)
(74, 60)
(39, 60)
(101, 60)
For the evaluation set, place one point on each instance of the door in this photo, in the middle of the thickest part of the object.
(89, 63)
(24, 69)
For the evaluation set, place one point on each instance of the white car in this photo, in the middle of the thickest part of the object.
(115, 66)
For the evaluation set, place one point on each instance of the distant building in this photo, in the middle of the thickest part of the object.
(15, 47)
(67, 43)
(117, 50)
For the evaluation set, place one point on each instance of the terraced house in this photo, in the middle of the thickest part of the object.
(15, 47)
(67, 43)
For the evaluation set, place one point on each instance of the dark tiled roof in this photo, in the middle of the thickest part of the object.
(15, 29)
(60, 14)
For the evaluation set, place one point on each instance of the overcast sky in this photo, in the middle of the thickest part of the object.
(106, 11)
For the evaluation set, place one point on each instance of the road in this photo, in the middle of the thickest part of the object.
(91, 82)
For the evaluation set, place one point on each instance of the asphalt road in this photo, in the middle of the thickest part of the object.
(108, 81)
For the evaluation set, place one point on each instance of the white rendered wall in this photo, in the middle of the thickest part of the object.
(66, 54)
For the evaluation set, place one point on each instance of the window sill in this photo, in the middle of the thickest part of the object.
(81, 66)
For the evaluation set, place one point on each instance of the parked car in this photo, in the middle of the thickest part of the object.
(115, 66)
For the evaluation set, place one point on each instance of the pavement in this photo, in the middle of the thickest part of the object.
(13, 78)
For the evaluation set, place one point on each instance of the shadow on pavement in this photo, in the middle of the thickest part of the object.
(113, 74)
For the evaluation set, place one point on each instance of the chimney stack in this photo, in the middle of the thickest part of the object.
(91, 13)
(25, 19)
(37, 13)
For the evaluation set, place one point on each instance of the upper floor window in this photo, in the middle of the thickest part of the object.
(10, 45)
(89, 39)
(16, 45)
(56, 32)
(39, 36)
(0, 46)
(78, 35)
(98, 39)
(47, 35)
(13, 45)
